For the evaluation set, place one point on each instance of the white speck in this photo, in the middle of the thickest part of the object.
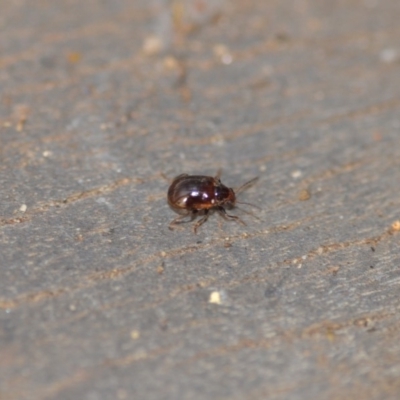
(223, 53)
(341, 217)
(304, 257)
(72, 307)
(152, 45)
(23, 208)
(320, 250)
(295, 261)
(299, 266)
(8, 310)
(262, 168)
(215, 298)
(163, 254)
(46, 153)
(182, 156)
(389, 55)
(296, 174)
(102, 200)
(135, 334)
(227, 59)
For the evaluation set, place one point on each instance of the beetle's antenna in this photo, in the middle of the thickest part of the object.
(248, 204)
(246, 185)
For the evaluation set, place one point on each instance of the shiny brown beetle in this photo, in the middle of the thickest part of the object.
(194, 195)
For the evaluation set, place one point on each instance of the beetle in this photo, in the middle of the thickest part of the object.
(200, 195)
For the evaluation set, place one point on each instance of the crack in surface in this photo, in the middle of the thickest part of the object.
(327, 329)
(42, 208)
(93, 279)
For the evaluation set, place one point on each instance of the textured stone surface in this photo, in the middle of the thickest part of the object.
(99, 300)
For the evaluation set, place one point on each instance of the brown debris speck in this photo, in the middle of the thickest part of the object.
(304, 195)
(396, 226)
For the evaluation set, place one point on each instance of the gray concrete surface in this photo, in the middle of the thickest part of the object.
(99, 300)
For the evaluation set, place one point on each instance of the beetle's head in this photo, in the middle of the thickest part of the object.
(224, 195)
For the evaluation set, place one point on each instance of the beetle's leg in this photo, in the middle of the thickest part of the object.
(178, 220)
(247, 212)
(201, 221)
(225, 215)
(218, 175)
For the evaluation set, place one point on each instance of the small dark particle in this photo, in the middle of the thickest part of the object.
(372, 248)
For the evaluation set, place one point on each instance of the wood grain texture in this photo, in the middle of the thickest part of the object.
(100, 100)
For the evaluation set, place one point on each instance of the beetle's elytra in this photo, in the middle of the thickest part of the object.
(199, 195)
